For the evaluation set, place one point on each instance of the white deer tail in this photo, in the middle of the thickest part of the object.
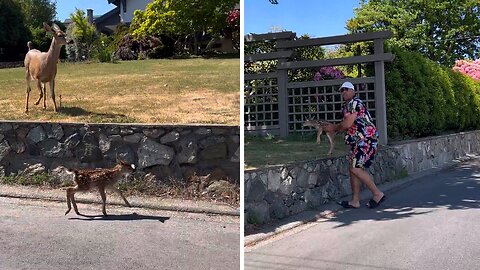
(30, 45)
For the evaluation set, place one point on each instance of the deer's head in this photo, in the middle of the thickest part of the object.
(58, 34)
(126, 168)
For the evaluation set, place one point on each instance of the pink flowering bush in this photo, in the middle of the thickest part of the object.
(327, 73)
(469, 68)
(233, 18)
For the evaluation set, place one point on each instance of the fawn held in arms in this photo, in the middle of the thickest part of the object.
(42, 66)
(319, 125)
(101, 179)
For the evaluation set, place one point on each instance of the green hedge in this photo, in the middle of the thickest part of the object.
(424, 98)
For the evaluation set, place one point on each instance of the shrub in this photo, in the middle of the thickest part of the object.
(130, 48)
(424, 98)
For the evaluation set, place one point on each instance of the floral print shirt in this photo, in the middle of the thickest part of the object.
(363, 128)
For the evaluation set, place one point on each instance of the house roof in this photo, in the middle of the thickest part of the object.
(115, 2)
(113, 12)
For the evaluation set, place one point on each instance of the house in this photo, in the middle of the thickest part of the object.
(126, 8)
(122, 13)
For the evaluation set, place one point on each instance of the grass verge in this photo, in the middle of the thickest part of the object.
(178, 91)
(270, 150)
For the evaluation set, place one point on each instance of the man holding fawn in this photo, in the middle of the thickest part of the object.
(362, 136)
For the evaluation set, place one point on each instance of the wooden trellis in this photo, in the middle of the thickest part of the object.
(277, 106)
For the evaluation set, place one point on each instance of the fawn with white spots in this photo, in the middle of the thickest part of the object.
(98, 178)
(319, 125)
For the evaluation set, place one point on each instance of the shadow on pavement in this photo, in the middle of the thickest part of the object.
(457, 188)
(453, 189)
(124, 217)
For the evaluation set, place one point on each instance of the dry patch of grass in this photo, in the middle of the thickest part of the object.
(150, 91)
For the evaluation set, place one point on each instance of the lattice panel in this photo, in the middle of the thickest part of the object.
(261, 102)
(323, 103)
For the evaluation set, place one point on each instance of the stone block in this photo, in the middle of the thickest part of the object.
(151, 153)
(257, 213)
(37, 135)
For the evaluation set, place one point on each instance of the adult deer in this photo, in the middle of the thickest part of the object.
(42, 66)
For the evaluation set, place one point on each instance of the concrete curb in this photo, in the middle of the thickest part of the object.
(58, 195)
(327, 210)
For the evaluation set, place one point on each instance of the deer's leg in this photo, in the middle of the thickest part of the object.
(69, 203)
(28, 79)
(52, 94)
(116, 190)
(40, 90)
(71, 198)
(44, 96)
(331, 138)
(104, 199)
(319, 132)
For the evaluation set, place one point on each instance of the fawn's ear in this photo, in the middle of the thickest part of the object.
(47, 27)
(56, 28)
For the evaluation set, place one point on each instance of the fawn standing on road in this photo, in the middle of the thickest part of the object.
(101, 179)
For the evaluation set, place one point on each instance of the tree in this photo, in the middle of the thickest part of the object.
(442, 30)
(36, 12)
(13, 33)
(83, 35)
(180, 17)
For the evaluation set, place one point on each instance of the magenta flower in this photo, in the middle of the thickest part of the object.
(328, 73)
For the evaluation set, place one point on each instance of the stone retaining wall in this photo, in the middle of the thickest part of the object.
(279, 191)
(163, 151)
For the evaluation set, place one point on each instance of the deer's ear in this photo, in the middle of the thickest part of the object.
(56, 28)
(47, 27)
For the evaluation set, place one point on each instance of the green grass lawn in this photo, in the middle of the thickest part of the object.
(180, 91)
(261, 152)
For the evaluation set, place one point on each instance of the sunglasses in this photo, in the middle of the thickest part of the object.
(343, 89)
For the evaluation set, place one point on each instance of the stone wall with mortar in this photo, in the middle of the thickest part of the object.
(162, 151)
(279, 191)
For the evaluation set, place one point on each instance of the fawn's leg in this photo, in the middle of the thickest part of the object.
(319, 132)
(331, 138)
(71, 198)
(39, 86)
(104, 199)
(116, 190)
(28, 79)
(52, 94)
(69, 203)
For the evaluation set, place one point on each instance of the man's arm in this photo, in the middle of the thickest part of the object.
(346, 123)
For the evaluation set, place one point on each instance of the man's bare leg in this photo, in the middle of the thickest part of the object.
(367, 179)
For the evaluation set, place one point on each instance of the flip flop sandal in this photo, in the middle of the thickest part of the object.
(346, 205)
(373, 204)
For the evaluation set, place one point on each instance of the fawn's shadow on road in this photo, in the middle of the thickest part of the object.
(123, 217)
(77, 111)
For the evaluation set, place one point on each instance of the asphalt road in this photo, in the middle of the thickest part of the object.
(433, 223)
(36, 234)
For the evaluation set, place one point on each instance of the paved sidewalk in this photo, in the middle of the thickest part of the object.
(430, 223)
(294, 223)
(30, 192)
